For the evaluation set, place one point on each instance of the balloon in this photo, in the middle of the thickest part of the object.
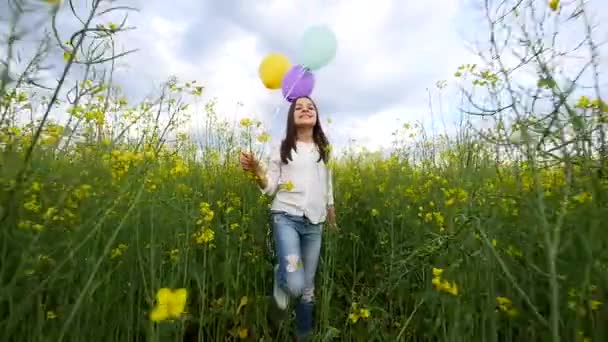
(272, 70)
(317, 47)
(298, 81)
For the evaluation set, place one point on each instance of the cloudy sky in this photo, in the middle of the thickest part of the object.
(389, 53)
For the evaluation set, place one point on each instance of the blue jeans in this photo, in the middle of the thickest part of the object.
(298, 246)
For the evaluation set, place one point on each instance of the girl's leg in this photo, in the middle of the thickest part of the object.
(289, 276)
(310, 244)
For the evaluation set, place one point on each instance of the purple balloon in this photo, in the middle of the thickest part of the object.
(297, 82)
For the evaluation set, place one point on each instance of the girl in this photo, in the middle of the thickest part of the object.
(299, 176)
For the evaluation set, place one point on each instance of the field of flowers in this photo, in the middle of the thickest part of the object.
(460, 246)
(117, 224)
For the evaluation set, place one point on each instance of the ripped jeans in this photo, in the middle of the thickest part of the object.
(298, 245)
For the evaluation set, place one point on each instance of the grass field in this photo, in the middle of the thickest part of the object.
(116, 225)
(424, 251)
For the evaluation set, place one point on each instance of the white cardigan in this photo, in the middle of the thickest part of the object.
(310, 181)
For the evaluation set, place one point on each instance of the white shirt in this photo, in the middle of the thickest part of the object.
(310, 181)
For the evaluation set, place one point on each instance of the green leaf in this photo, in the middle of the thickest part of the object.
(547, 83)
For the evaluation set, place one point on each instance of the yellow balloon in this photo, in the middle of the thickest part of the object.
(272, 69)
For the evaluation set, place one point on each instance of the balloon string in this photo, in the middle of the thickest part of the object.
(300, 75)
(277, 108)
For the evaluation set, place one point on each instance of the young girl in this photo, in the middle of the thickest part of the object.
(299, 176)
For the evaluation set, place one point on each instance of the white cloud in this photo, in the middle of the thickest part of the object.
(389, 53)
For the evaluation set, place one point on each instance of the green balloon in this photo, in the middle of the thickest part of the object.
(317, 47)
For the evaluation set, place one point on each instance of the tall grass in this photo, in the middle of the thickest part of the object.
(474, 236)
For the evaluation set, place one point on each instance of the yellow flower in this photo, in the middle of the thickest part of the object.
(50, 213)
(583, 197)
(32, 205)
(150, 185)
(513, 251)
(554, 4)
(264, 137)
(118, 251)
(243, 333)
(437, 272)
(246, 122)
(450, 288)
(503, 300)
(436, 281)
(505, 305)
(179, 169)
(364, 313)
(288, 186)
(205, 236)
(170, 304)
(443, 285)
(358, 313)
(206, 212)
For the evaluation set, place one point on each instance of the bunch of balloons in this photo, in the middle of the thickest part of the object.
(317, 48)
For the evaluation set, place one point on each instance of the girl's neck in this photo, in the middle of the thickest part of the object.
(305, 135)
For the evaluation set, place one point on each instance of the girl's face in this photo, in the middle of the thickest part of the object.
(305, 114)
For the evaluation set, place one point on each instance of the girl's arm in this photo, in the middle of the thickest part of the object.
(268, 179)
(331, 211)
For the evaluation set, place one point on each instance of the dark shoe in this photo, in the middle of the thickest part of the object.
(276, 316)
(308, 338)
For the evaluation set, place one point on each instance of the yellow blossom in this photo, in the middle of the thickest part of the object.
(170, 304)
(118, 251)
(32, 205)
(246, 122)
(583, 197)
(206, 212)
(505, 305)
(204, 236)
(443, 285)
(264, 137)
(554, 5)
(243, 333)
(357, 313)
(288, 186)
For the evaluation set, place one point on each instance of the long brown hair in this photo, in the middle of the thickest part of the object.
(289, 143)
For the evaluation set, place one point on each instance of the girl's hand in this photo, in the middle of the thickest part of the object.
(249, 163)
(331, 216)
